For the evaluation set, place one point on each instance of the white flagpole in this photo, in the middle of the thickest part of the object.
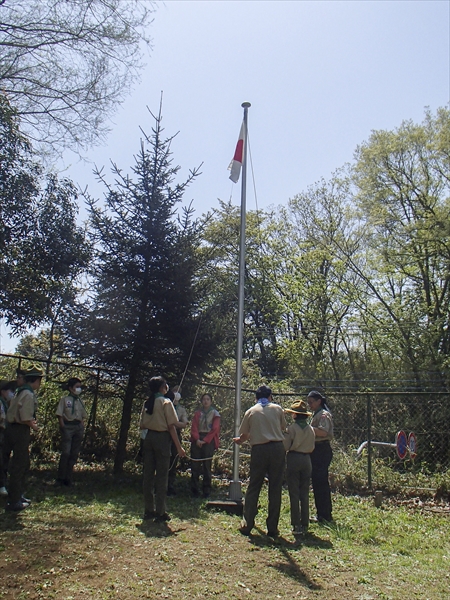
(235, 486)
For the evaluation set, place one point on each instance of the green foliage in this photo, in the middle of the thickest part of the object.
(43, 251)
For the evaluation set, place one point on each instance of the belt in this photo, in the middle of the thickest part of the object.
(71, 422)
(297, 452)
(323, 442)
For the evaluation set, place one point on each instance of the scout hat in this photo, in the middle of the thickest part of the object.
(299, 407)
(32, 371)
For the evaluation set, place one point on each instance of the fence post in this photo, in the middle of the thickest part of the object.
(369, 441)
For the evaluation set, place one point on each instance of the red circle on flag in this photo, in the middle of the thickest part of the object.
(412, 445)
(402, 444)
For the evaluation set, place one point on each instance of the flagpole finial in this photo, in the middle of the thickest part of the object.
(246, 105)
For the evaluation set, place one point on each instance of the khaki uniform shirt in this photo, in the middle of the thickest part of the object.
(23, 407)
(298, 439)
(264, 424)
(322, 419)
(163, 415)
(70, 408)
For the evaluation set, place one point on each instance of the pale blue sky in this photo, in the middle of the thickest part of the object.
(320, 77)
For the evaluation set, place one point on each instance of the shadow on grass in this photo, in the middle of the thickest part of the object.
(289, 566)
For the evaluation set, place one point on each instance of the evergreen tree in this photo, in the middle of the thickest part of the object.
(143, 315)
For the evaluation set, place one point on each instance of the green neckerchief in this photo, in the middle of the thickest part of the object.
(73, 403)
(25, 387)
(159, 395)
(302, 424)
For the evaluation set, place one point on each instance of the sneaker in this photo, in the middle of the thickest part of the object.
(25, 500)
(3, 491)
(162, 518)
(149, 514)
(17, 507)
(297, 530)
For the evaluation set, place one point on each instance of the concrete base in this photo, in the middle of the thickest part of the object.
(232, 507)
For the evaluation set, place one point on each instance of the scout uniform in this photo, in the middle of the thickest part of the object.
(21, 416)
(320, 459)
(72, 412)
(299, 443)
(264, 425)
(206, 427)
(157, 444)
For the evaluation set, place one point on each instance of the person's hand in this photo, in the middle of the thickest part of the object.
(200, 443)
(182, 453)
(237, 440)
(34, 425)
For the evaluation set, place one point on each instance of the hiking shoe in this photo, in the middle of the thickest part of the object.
(3, 491)
(25, 500)
(162, 518)
(17, 506)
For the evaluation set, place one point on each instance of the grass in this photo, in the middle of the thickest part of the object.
(89, 542)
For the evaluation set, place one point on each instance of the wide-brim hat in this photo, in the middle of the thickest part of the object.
(299, 407)
(33, 371)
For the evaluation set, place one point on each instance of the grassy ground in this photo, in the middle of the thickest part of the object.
(89, 542)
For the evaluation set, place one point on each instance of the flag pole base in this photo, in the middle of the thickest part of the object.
(235, 492)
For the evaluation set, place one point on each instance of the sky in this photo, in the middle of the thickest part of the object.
(320, 76)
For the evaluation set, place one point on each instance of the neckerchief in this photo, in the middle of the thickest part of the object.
(204, 417)
(263, 401)
(302, 424)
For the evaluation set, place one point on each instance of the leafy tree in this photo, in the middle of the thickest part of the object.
(220, 275)
(43, 251)
(143, 315)
(403, 182)
(66, 65)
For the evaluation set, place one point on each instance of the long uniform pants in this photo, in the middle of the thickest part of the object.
(201, 467)
(266, 459)
(298, 478)
(17, 441)
(156, 470)
(71, 440)
(320, 460)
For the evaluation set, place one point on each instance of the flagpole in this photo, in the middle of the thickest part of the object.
(235, 486)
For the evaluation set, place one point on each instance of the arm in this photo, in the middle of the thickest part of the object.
(61, 422)
(31, 424)
(319, 432)
(241, 439)
(176, 441)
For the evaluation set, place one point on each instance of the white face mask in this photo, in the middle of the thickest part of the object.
(77, 391)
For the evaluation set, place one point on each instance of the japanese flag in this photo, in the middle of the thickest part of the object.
(236, 163)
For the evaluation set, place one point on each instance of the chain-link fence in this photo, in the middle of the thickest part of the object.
(366, 423)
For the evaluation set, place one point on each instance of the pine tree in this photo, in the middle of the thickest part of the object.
(143, 315)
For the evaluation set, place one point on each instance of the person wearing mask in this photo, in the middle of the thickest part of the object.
(71, 416)
(159, 418)
(299, 443)
(263, 426)
(322, 424)
(7, 389)
(182, 424)
(21, 417)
